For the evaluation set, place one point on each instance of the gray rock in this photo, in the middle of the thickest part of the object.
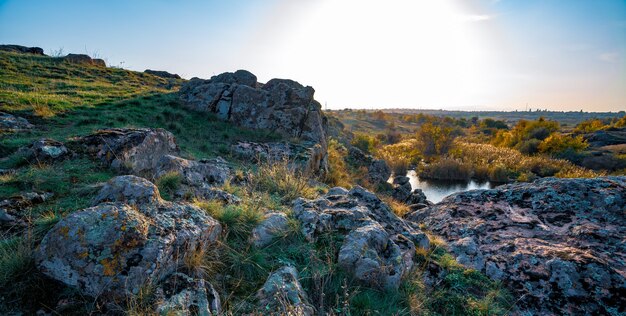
(5, 217)
(379, 171)
(198, 178)
(18, 203)
(400, 180)
(273, 225)
(402, 192)
(182, 295)
(557, 243)
(468, 253)
(282, 294)
(306, 157)
(379, 247)
(111, 250)
(12, 123)
(130, 150)
(195, 173)
(374, 258)
(44, 150)
(417, 197)
(129, 189)
(337, 191)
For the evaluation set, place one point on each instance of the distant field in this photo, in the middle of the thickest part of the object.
(361, 120)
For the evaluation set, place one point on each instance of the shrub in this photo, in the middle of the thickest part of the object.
(168, 184)
(446, 169)
(337, 174)
(16, 258)
(525, 131)
(435, 139)
(558, 143)
(281, 179)
(499, 173)
(529, 147)
(589, 126)
(505, 161)
(365, 142)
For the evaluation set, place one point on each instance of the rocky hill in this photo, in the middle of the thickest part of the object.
(141, 193)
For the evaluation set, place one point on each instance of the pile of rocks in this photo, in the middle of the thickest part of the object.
(379, 247)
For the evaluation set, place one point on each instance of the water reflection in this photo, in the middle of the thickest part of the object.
(436, 190)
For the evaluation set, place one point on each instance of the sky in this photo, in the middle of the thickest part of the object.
(439, 54)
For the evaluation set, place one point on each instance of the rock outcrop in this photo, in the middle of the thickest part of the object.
(379, 247)
(22, 49)
(378, 170)
(282, 294)
(601, 138)
(82, 59)
(131, 238)
(558, 243)
(130, 150)
(282, 106)
(308, 158)
(12, 123)
(44, 150)
(198, 178)
(162, 74)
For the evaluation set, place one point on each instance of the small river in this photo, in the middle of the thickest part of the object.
(436, 190)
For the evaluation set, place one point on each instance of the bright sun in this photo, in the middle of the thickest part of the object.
(434, 48)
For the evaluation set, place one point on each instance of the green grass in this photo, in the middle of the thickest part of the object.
(168, 184)
(33, 85)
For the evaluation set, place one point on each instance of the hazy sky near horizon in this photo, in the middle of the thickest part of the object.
(438, 54)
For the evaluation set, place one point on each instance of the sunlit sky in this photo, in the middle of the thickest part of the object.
(438, 54)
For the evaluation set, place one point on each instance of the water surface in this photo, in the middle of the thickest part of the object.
(436, 190)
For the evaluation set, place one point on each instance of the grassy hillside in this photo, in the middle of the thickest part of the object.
(67, 100)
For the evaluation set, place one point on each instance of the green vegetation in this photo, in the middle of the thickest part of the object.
(168, 184)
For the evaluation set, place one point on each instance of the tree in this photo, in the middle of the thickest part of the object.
(435, 139)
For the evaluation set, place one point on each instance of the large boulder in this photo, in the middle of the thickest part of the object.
(306, 157)
(557, 243)
(83, 59)
(378, 171)
(113, 249)
(130, 150)
(282, 106)
(22, 49)
(12, 123)
(378, 248)
(282, 294)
